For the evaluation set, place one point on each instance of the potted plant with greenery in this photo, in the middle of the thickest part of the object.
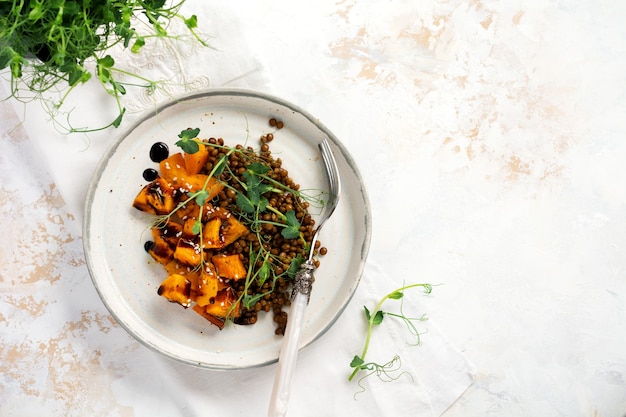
(61, 44)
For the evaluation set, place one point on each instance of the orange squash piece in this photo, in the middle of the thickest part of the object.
(176, 288)
(161, 251)
(191, 209)
(196, 182)
(208, 285)
(232, 229)
(173, 169)
(211, 233)
(156, 198)
(229, 266)
(188, 252)
(175, 267)
(223, 305)
(171, 232)
(218, 321)
(194, 162)
(188, 227)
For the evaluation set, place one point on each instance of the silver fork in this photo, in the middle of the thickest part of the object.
(303, 283)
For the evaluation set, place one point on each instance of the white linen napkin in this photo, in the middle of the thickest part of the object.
(439, 373)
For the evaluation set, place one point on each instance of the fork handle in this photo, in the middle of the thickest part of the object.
(287, 357)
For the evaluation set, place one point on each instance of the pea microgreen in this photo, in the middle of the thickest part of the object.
(50, 45)
(187, 140)
(374, 318)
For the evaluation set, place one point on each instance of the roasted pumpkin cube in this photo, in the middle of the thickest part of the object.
(176, 288)
(214, 187)
(175, 267)
(211, 236)
(218, 321)
(192, 275)
(189, 210)
(222, 229)
(208, 285)
(173, 169)
(171, 232)
(188, 227)
(194, 162)
(229, 266)
(224, 305)
(197, 182)
(232, 229)
(156, 198)
(188, 252)
(161, 250)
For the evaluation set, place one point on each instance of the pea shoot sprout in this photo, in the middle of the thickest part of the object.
(389, 370)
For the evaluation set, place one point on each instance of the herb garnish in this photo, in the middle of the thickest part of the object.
(374, 318)
(50, 45)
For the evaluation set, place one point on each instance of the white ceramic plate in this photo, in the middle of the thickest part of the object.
(126, 277)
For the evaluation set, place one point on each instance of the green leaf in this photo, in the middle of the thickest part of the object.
(197, 227)
(188, 146)
(219, 167)
(264, 273)
(244, 204)
(189, 133)
(70, 8)
(254, 196)
(294, 265)
(118, 120)
(201, 197)
(292, 230)
(36, 10)
(104, 74)
(192, 22)
(7, 55)
(106, 62)
(378, 317)
(252, 180)
(139, 43)
(118, 87)
(258, 168)
(263, 203)
(263, 188)
(75, 76)
(396, 295)
(356, 362)
(187, 142)
(290, 233)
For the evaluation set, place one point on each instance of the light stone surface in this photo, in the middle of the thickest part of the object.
(490, 137)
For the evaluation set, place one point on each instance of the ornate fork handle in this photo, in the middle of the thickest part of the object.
(303, 281)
